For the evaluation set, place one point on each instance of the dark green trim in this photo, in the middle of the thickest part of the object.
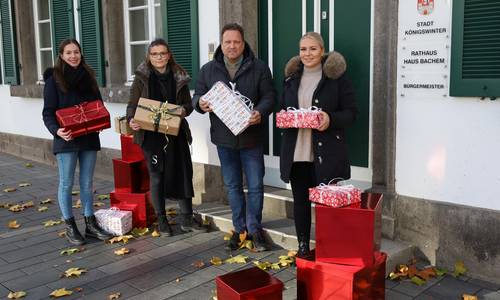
(325, 24)
(263, 51)
(468, 87)
(9, 43)
(310, 15)
(62, 22)
(195, 62)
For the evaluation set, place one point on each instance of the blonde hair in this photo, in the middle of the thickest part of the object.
(314, 36)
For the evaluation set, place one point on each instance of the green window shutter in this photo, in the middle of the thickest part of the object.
(62, 22)
(182, 34)
(91, 37)
(9, 43)
(475, 52)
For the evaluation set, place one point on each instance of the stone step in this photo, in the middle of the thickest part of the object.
(281, 231)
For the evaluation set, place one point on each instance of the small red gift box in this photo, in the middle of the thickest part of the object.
(143, 213)
(349, 235)
(84, 118)
(299, 118)
(249, 284)
(130, 176)
(335, 195)
(130, 150)
(322, 281)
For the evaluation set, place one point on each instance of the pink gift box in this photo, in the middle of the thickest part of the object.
(335, 195)
(299, 118)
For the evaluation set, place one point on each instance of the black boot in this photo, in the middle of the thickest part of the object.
(304, 251)
(93, 230)
(72, 233)
(190, 224)
(163, 225)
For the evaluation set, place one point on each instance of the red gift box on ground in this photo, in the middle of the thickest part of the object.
(322, 281)
(249, 284)
(143, 213)
(335, 195)
(130, 150)
(298, 118)
(84, 118)
(349, 235)
(130, 176)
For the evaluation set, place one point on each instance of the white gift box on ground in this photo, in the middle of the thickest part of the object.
(114, 221)
(230, 106)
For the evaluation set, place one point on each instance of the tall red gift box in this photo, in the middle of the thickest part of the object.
(130, 150)
(249, 284)
(130, 176)
(321, 281)
(143, 213)
(349, 235)
(84, 118)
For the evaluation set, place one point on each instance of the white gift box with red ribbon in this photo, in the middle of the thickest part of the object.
(114, 221)
(299, 118)
(335, 195)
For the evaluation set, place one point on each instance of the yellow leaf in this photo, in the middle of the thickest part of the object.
(98, 204)
(10, 190)
(16, 208)
(264, 265)
(74, 193)
(61, 233)
(198, 264)
(121, 238)
(50, 223)
(216, 261)
(5, 205)
(74, 272)
(243, 236)
(78, 204)
(239, 259)
(206, 222)
(469, 297)
(171, 212)
(292, 253)
(227, 237)
(43, 208)
(140, 231)
(172, 222)
(16, 295)
(103, 197)
(70, 251)
(60, 293)
(275, 266)
(28, 165)
(114, 296)
(246, 244)
(122, 251)
(28, 204)
(46, 201)
(155, 233)
(459, 269)
(417, 280)
(13, 224)
(24, 184)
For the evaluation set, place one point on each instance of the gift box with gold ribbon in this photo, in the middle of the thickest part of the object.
(158, 116)
(84, 118)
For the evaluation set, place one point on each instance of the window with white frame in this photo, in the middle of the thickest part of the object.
(143, 24)
(43, 36)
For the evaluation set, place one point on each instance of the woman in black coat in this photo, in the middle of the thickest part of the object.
(313, 156)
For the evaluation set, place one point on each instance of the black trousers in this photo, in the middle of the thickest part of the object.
(302, 178)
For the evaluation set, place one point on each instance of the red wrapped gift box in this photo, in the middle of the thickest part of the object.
(298, 118)
(130, 176)
(130, 150)
(84, 118)
(335, 195)
(322, 281)
(249, 284)
(143, 213)
(349, 235)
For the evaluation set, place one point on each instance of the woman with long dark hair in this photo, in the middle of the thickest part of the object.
(69, 83)
(168, 159)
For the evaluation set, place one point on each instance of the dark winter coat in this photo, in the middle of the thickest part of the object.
(253, 80)
(53, 99)
(140, 88)
(335, 96)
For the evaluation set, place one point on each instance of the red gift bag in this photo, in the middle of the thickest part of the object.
(130, 176)
(84, 118)
(143, 213)
(130, 150)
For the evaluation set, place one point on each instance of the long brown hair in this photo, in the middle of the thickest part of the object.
(160, 42)
(59, 67)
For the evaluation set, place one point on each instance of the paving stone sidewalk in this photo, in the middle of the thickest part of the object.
(155, 268)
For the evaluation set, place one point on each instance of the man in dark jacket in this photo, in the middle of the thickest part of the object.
(235, 62)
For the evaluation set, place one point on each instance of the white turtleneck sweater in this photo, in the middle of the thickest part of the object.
(308, 83)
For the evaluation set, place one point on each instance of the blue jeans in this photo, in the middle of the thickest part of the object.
(247, 215)
(66, 163)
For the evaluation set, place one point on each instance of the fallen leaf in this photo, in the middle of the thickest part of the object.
(441, 272)
(198, 264)
(427, 273)
(16, 295)
(74, 272)
(227, 237)
(216, 261)
(122, 251)
(246, 244)
(43, 208)
(10, 190)
(292, 253)
(114, 296)
(459, 269)
(78, 204)
(16, 208)
(139, 231)
(286, 261)
(78, 289)
(263, 265)
(74, 193)
(28, 165)
(171, 212)
(412, 270)
(13, 224)
(417, 280)
(68, 261)
(103, 197)
(46, 201)
(5, 205)
(275, 266)
(243, 236)
(70, 251)
(205, 222)
(60, 293)
(177, 280)
(155, 233)
(61, 233)
(98, 204)
(239, 259)
(28, 204)
(24, 184)
(50, 223)
(121, 238)
(469, 297)
(172, 222)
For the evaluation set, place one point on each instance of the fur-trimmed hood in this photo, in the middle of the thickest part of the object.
(334, 65)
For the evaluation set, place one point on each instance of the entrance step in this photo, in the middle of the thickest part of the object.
(281, 231)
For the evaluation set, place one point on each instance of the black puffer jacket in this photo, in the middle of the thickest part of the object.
(334, 95)
(253, 79)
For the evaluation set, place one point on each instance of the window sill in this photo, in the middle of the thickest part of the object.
(116, 94)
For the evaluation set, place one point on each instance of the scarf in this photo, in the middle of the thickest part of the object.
(78, 79)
